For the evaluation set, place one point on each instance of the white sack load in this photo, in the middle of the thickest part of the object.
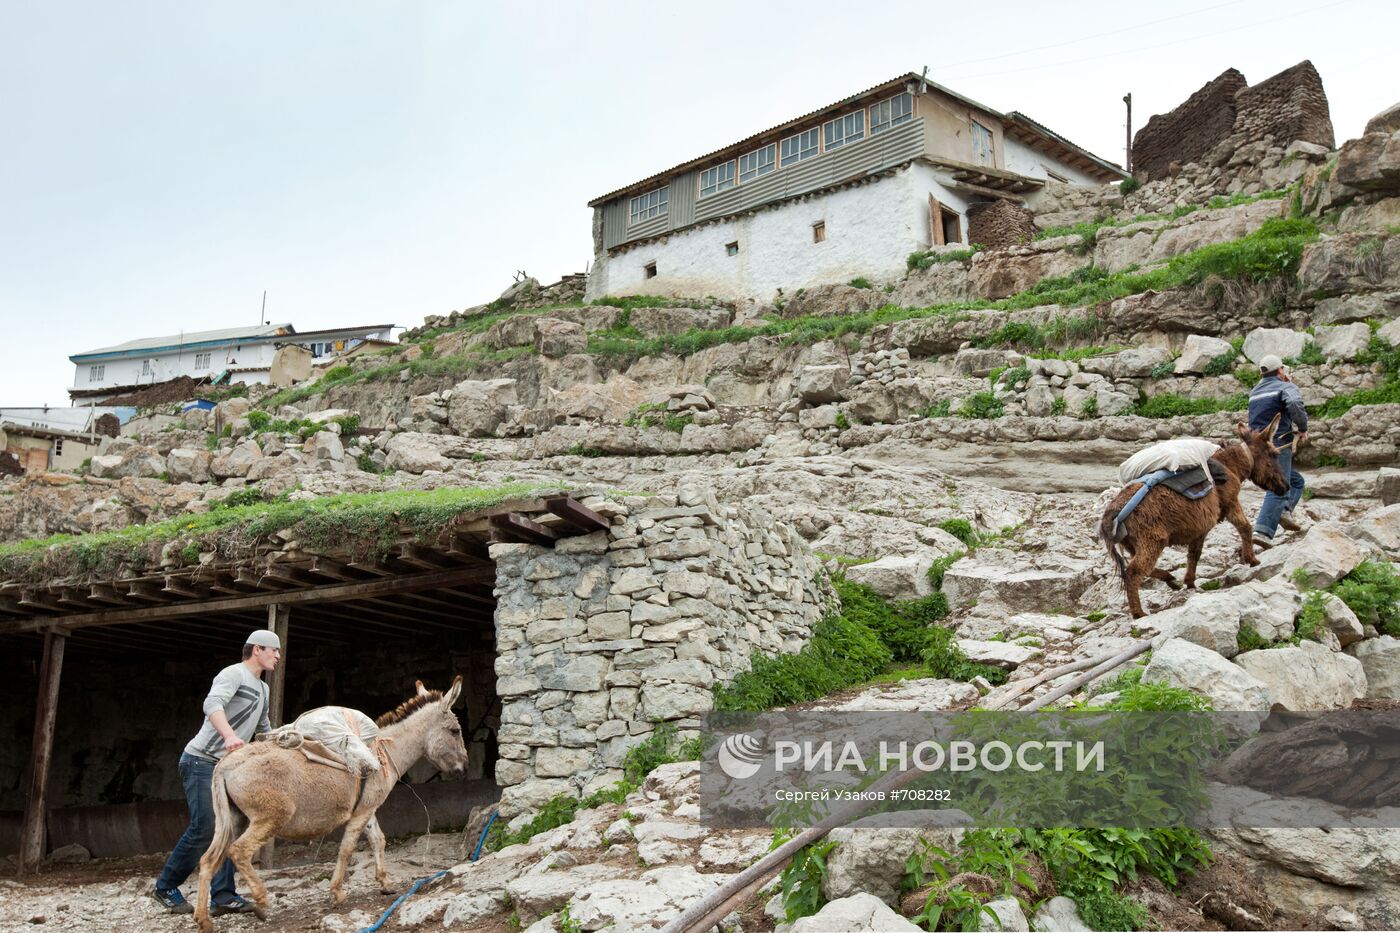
(335, 727)
(1176, 455)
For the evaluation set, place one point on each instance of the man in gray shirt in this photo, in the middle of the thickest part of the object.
(235, 710)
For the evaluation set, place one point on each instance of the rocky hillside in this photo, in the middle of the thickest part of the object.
(947, 440)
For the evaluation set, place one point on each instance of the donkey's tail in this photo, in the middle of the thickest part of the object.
(1106, 534)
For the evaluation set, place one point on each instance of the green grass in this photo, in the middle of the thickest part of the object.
(841, 653)
(1090, 229)
(1372, 591)
(363, 523)
(860, 281)
(982, 405)
(923, 260)
(1172, 406)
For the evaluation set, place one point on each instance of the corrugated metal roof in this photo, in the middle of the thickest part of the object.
(229, 334)
(846, 102)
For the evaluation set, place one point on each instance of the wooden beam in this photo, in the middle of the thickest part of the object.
(425, 558)
(67, 597)
(146, 591)
(31, 846)
(980, 191)
(278, 617)
(332, 593)
(331, 570)
(576, 514)
(513, 527)
(32, 600)
(105, 593)
(178, 586)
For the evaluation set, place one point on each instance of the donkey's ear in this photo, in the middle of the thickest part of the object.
(451, 696)
(1242, 429)
(422, 690)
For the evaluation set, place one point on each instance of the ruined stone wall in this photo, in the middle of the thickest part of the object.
(603, 636)
(1227, 113)
(1287, 107)
(1191, 130)
(999, 224)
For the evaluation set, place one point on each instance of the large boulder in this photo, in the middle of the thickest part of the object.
(612, 400)
(1003, 654)
(1370, 163)
(187, 465)
(1343, 342)
(1388, 485)
(414, 453)
(1229, 687)
(1198, 352)
(1380, 659)
(1308, 676)
(859, 913)
(820, 384)
(477, 408)
(655, 322)
(326, 445)
(1213, 620)
(1326, 554)
(870, 854)
(237, 462)
(1341, 621)
(1380, 529)
(555, 338)
(1278, 341)
(138, 461)
(1138, 363)
(895, 577)
(1005, 272)
(1387, 121)
(1016, 586)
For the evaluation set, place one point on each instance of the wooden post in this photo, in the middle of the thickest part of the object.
(935, 220)
(31, 846)
(278, 617)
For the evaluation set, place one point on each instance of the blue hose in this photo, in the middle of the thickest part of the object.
(482, 841)
(401, 898)
(428, 880)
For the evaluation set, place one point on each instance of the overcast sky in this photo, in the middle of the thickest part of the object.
(373, 162)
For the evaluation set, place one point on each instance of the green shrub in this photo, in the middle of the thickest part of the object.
(982, 405)
(1273, 251)
(841, 653)
(1163, 370)
(802, 880)
(860, 281)
(1058, 406)
(1090, 406)
(1014, 376)
(258, 420)
(842, 422)
(1338, 405)
(1372, 591)
(961, 529)
(940, 566)
(1106, 909)
(1158, 698)
(582, 450)
(946, 660)
(1129, 185)
(1222, 364)
(248, 495)
(1331, 460)
(1311, 356)
(337, 373)
(657, 749)
(904, 635)
(1249, 639)
(937, 410)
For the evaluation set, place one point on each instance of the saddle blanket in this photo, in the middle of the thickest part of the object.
(1175, 455)
(1195, 483)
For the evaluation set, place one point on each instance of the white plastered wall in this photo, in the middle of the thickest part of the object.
(870, 231)
(1023, 160)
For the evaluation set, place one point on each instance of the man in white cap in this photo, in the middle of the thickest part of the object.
(1275, 394)
(235, 709)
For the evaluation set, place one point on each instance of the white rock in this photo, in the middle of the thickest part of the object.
(1003, 654)
(1058, 915)
(1279, 341)
(859, 913)
(1198, 352)
(1230, 688)
(1306, 676)
(895, 577)
(1213, 620)
(1009, 916)
(1344, 342)
(1380, 528)
(1326, 553)
(1380, 659)
(870, 854)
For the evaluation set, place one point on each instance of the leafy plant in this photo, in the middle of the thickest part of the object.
(1222, 364)
(1090, 406)
(567, 924)
(961, 529)
(861, 281)
(937, 410)
(1171, 405)
(1163, 370)
(1372, 591)
(923, 260)
(801, 881)
(982, 405)
(946, 660)
(842, 421)
(1158, 698)
(1058, 406)
(1129, 185)
(841, 652)
(582, 450)
(1249, 639)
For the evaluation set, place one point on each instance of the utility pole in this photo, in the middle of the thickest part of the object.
(1128, 150)
(262, 316)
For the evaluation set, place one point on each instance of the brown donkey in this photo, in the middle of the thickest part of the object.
(284, 795)
(1164, 518)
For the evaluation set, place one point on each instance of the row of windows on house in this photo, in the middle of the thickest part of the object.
(98, 373)
(831, 135)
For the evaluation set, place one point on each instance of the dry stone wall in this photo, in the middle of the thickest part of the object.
(1227, 113)
(998, 224)
(605, 635)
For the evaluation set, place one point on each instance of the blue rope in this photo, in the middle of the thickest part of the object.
(482, 841)
(428, 880)
(401, 898)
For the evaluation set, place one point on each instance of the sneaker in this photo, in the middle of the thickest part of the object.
(173, 901)
(1263, 541)
(234, 905)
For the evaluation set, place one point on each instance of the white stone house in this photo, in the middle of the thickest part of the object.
(842, 192)
(238, 354)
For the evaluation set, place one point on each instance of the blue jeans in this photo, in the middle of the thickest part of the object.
(1275, 505)
(197, 775)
